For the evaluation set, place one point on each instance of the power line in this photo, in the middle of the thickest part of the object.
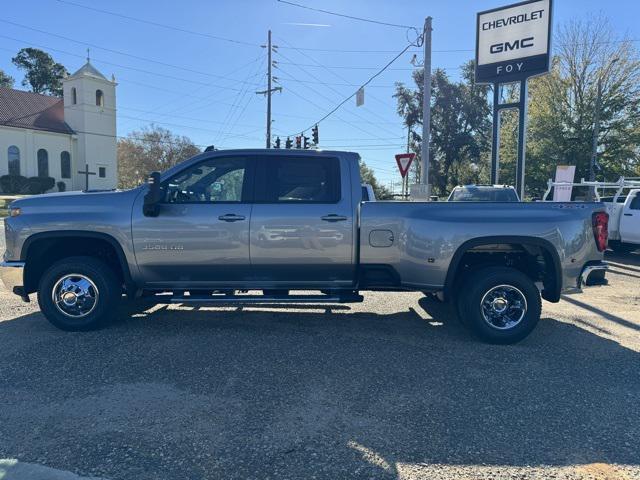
(186, 126)
(358, 115)
(355, 114)
(237, 101)
(136, 69)
(225, 39)
(182, 105)
(302, 97)
(349, 67)
(362, 86)
(356, 125)
(291, 79)
(338, 76)
(195, 119)
(118, 52)
(162, 25)
(347, 16)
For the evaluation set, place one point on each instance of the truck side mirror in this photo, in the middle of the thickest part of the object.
(151, 207)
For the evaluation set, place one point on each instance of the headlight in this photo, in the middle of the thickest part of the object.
(14, 211)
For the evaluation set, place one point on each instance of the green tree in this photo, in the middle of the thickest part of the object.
(562, 107)
(460, 126)
(42, 73)
(367, 176)
(6, 80)
(151, 149)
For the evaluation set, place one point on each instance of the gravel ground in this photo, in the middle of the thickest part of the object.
(390, 388)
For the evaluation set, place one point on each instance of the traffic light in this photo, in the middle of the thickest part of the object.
(277, 144)
(314, 135)
(298, 141)
(306, 142)
(288, 143)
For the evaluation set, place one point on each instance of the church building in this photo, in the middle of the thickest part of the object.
(56, 137)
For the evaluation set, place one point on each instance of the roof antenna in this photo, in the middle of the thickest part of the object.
(88, 58)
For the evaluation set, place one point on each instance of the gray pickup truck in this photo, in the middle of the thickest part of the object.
(224, 224)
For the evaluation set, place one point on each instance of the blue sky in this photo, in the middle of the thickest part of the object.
(204, 87)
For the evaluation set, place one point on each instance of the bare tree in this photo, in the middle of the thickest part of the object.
(151, 149)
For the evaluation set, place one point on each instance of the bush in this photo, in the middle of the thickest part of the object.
(38, 185)
(62, 187)
(13, 184)
(19, 185)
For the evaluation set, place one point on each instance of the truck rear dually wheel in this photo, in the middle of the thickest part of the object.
(79, 293)
(499, 304)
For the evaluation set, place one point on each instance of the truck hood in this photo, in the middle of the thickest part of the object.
(73, 199)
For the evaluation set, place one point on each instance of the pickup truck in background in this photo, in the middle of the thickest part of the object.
(624, 221)
(623, 208)
(483, 193)
(224, 224)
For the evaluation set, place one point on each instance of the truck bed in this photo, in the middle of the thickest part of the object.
(418, 242)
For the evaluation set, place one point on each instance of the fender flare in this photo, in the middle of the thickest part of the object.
(55, 234)
(552, 295)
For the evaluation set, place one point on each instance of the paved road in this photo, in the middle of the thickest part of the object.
(391, 388)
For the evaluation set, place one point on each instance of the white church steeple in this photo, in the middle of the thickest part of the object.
(90, 110)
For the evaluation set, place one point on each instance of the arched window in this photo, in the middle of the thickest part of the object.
(43, 163)
(74, 96)
(65, 165)
(14, 160)
(99, 98)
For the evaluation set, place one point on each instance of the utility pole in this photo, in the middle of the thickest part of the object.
(269, 90)
(426, 106)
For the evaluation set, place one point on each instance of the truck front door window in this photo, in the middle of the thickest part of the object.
(215, 180)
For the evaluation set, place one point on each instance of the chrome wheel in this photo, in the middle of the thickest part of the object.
(503, 307)
(75, 295)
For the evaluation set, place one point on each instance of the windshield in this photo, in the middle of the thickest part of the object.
(483, 195)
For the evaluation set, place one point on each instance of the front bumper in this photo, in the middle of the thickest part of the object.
(12, 275)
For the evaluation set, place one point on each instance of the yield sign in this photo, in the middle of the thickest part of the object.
(404, 162)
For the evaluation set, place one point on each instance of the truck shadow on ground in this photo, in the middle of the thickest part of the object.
(631, 259)
(204, 393)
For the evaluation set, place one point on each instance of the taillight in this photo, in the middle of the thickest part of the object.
(600, 222)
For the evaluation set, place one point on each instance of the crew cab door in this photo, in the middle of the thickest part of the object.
(630, 219)
(201, 235)
(302, 222)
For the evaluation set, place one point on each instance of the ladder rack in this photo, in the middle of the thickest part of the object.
(622, 184)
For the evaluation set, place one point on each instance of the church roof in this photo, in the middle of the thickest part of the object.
(32, 110)
(88, 70)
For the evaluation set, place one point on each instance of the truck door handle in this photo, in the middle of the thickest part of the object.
(231, 217)
(334, 218)
(628, 214)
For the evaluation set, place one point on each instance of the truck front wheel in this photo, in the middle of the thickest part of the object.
(79, 293)
(500, 305)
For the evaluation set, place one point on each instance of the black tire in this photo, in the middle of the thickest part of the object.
(620, 247)
(485, 283)
(106, 292)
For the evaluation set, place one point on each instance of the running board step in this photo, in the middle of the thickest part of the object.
(257, 299)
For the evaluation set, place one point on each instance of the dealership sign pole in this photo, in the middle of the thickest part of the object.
(513, 43)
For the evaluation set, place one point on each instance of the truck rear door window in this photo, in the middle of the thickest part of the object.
(300, 180)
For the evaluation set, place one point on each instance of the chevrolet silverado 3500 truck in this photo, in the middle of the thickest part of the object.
(225, 223)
